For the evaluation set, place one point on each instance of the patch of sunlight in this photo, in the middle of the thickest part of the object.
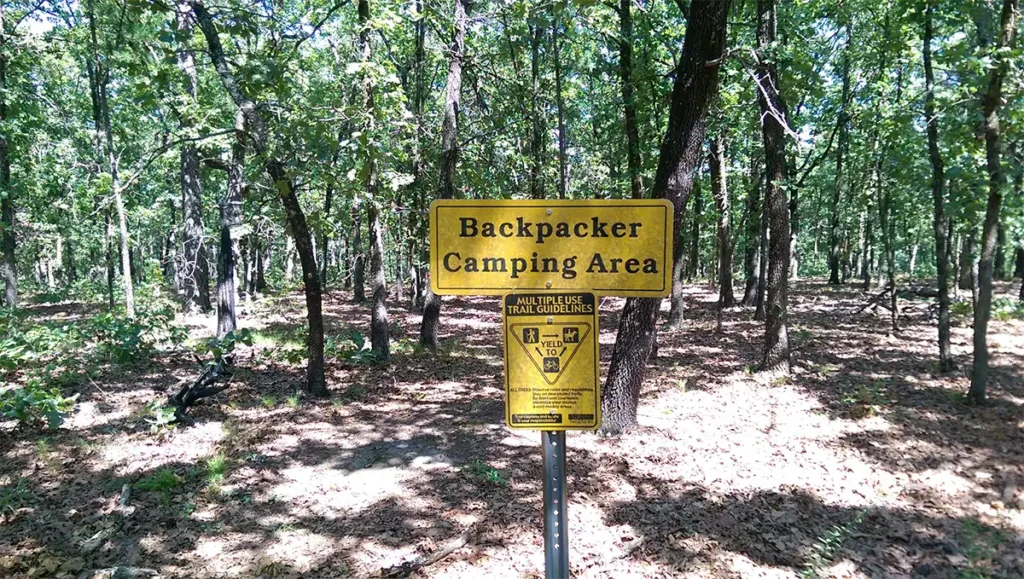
(475, 324)
(227, 554)
(300, 549)
(183, 445)
(87, 414)
(324, 488)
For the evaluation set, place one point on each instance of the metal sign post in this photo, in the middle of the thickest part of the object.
(550, 259)
(556, 535)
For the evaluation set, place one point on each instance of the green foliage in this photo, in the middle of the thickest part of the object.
(163, 481)
(979, 545)
(268, 401)
(33, 405)
(159, 416)
(13, 496)
(218, 348)
(293, 401)
(827, 547)
(484, 472)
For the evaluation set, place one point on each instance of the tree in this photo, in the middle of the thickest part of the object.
(449, 157)
(195, 272)
(257, 133)
(720, 192)
(694, 89)
(625, 11)
(991, 103)
(844, 136)
(940, 222)
(773, 128)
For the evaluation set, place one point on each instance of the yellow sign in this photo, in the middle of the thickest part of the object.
(614, 247)
(551, 357)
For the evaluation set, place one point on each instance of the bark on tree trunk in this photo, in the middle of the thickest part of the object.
(752, 235)
(773, 115)
(563, 162)
(358, 258)
(195, 263)
(537, 122)
(275, 169)
(9, 266)
(693, 259)
(230, 216)
(720, 191)
(695, 87)
(628, 98)
(449, 159)
(996, 179)
(833, 254)
(379, 338)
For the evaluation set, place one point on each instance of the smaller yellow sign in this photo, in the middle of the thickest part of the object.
(551, 361)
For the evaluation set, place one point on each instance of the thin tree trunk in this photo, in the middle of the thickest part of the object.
(996, 179)
(9, 266)
(693, 260)
(379, 338)
(195, 263)
(536, 120)
(773, 115)
(940, 222)
(834, 253)
(286, 190)
(358, 258)
(720, 191)
(695, 86)
(449, 159)
(629, 98)
(563, 161)
(231, 216)
(752, 235)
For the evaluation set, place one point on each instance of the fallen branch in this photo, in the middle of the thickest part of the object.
(204, 386)
(409, 567)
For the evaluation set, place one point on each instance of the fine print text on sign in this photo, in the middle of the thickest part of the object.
(614, 247)
(551, 356)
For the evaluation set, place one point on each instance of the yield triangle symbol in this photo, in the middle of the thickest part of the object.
(551, 346)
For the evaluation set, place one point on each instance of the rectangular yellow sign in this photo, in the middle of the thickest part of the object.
(615, 247)
(551, 361)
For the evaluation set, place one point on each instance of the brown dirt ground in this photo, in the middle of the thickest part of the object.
(730, 474)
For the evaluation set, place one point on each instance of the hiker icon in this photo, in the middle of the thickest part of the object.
(531, 335)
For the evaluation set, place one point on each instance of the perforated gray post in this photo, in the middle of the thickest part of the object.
(556, 536)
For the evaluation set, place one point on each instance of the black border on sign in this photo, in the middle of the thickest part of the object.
(532, 203)
(597, 363)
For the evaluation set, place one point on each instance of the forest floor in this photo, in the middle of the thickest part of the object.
(865, 463)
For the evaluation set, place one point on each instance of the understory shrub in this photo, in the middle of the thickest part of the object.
(34, 405)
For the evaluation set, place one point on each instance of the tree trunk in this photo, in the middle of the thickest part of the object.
(563, 161)
(9, 266)
(773, 115)
(695, 86)
(101, 110)
(325, 255)
(752, 235)
(999, 270)
(449, 159)
(286, 190)
(693, 259)
(844, 136)
(195, 263)
(628, 98)
(996, 179)
(358, 258)
(720, 191)
(762, 266)
(536, 114)
(231, 216)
